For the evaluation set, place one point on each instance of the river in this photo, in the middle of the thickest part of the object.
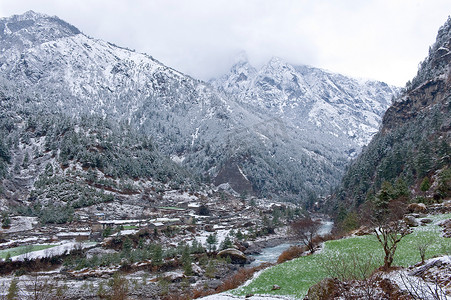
(271, 254)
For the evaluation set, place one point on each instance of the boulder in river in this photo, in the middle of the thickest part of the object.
(253, 249)
(411, 221)
(236, 256)
(426, 221)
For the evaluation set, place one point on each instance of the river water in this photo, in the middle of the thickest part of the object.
(271, 254)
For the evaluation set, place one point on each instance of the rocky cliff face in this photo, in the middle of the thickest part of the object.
(430, 87)
(414, 144)
(415, 102)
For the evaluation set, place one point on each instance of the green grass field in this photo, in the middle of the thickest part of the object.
(296, 276)
(23, 249)
(130, 227)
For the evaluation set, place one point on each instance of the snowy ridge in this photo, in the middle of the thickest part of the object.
(268, 122)
(343, 106)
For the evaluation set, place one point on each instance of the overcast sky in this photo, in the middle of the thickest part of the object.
(378, 39)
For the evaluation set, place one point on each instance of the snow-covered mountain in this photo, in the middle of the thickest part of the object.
(278, 130)
(333, 103)
(66, 70)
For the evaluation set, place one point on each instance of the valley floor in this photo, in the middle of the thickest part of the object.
(360, 255)
(96, 270)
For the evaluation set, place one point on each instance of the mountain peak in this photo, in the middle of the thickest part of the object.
(276, 61)
(31, 29)
(277, 64)
(241, 69)
(32, 15)
(437, 63)
(241, 58)
(303, 93)
(243, 120)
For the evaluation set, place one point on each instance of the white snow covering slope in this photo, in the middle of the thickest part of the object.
(60, 249)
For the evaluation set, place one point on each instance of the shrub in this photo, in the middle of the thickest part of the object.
(425, 184)
(226, 243)
(204, 211)
(107, 231)
(236, 280)
(6, 221)
(186, 262)
(290, 253)
(119, 287)
(13, 290)
(197, 293)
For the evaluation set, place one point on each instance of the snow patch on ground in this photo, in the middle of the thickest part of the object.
(178, 159)
(220, 236)
(242, 174)
(176, 196)
(21, 223)
(25, 240)
(55, 251)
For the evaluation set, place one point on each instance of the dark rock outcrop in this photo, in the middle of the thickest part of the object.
(323, 290)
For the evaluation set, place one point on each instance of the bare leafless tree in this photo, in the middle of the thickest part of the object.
(388, 225)
(349, 266)
(306, 229)
(32, 287)
(40, 288)
(422, 247)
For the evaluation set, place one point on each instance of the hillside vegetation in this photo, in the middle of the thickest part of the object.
(410, 157)
(53, 164)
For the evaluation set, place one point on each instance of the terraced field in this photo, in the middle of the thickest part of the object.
(353, 253)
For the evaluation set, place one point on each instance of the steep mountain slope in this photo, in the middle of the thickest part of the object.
(218, 136)
(53, 164)
(413, 147)
(48, 60)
